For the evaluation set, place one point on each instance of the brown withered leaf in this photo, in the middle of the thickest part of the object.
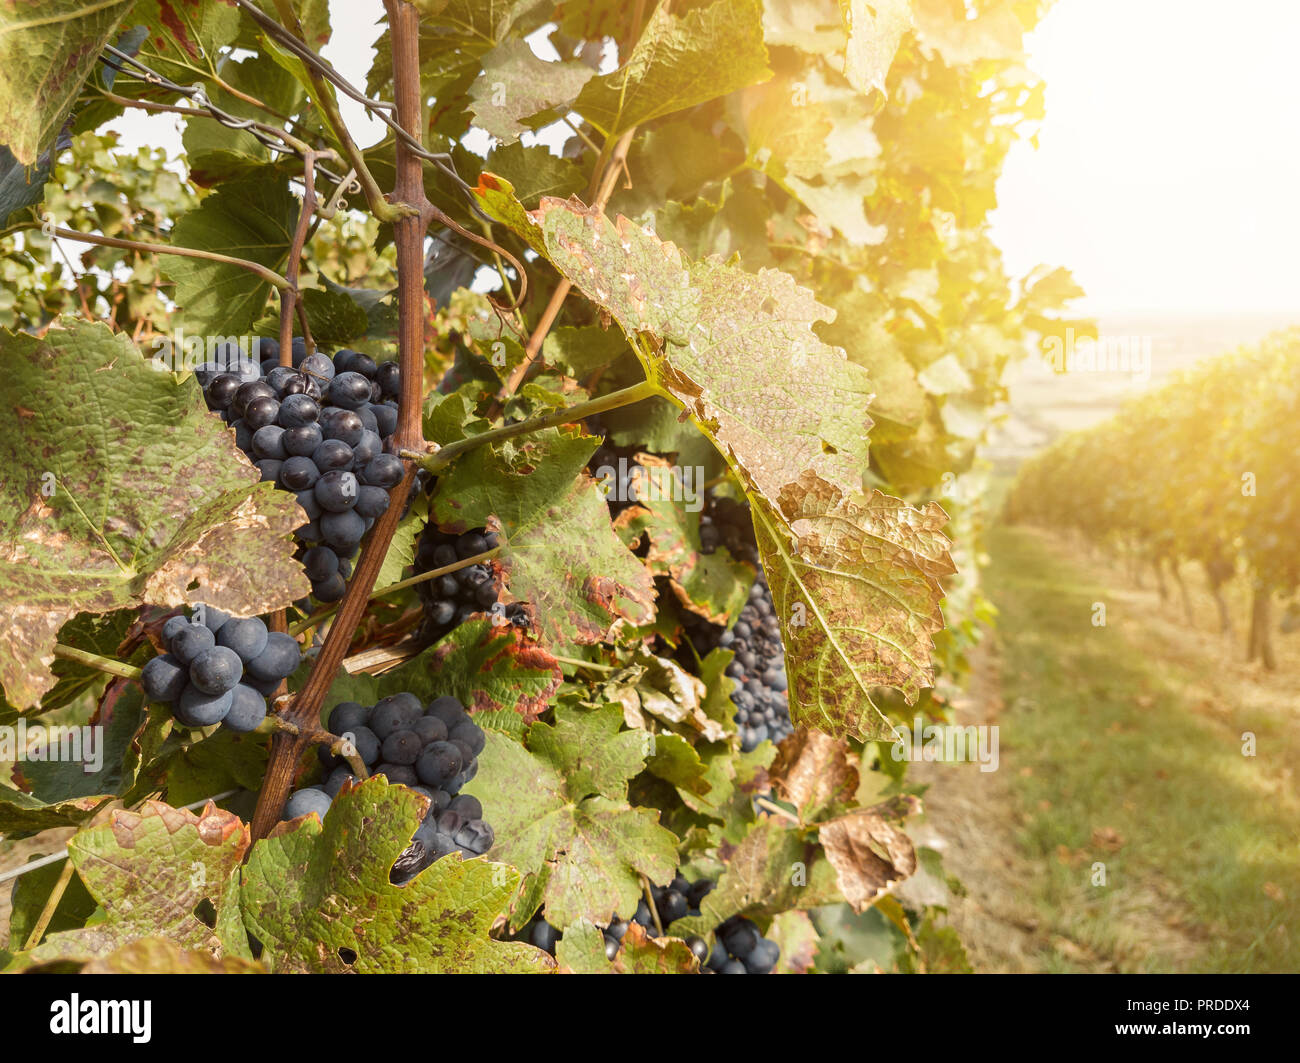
(814, 772)
(870, 855)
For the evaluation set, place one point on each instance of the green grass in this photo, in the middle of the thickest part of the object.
(1119, 737)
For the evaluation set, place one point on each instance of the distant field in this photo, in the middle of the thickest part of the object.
(1045, 404)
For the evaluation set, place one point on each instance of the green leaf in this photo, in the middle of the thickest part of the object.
(88, 430)
(560, 552)
(679, 62)
(252, 218)
(496, 195)
(21, 186)
(533, 172)
(334, 317)
(579, 350)
(97, 634)
(32, 891)
(559, 808)
(517, 91)
(158, 956)
(318, 897)
(856, 585)
(184, 41)
(47, 49)
(401, 551)
(582, 949)
(875, 28)
(150, 870)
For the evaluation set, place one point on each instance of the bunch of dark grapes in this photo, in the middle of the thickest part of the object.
(761, 696)
(451, 599)
(619, 475)
(738, 947)
(726, 522)
(433, 751)
(219, 669)
(317, 429)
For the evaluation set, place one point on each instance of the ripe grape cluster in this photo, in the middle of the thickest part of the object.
(451, 599)
(316, 428)
(761, 696)
(738, 947)
(726, 522)
(432, 750)
(219, 669)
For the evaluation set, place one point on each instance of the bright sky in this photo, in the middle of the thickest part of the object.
(1168, 176)
(1168, 172)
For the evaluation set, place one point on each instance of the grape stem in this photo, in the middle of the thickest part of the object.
(777, 810)
(650, 903)
(95, 661)
(340, 747)
(51, 906)
(410, 213)
(444, 456)
(393, 588)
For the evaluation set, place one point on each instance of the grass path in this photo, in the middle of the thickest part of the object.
(1122, 750)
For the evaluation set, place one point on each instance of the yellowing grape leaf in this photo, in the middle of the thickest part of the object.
(875, 28)
(855, 583)
(88, 431)
(151, 871)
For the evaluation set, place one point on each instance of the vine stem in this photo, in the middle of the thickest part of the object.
(411, 221)
(290, 297)
(777, 810)
(393, 588)
(268, 275)
(94, 660)
(444, 456)
(51, 906)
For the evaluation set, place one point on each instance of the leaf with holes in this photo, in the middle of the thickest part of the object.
(318, 897)
(88, 430)
(559, 808)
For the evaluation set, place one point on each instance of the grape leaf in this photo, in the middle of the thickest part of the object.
(642, 954)
(251, 218)
(401, 551)
(797, 938)
(560, 552)
(492, 668)
(741, 355)
(679, 62)
(995, 33)
(183, 43)
(496, 195)
(534, 172)
(21, 186)
(870, 856)
(318, 897)
(875, 28)
(855, 583)
(582, 950)
(517, 91)
(47, 48)
(150, 870)
(88, 429)
(560, 810)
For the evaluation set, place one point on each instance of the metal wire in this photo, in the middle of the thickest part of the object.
(202, 105)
